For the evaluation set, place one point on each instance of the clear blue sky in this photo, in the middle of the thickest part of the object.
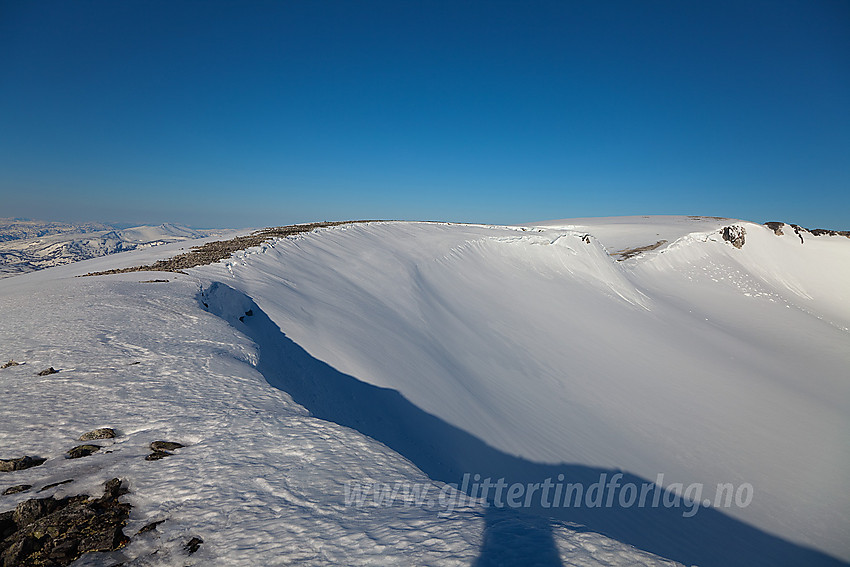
(254, 113)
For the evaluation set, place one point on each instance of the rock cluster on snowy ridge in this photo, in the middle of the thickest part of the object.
(54, 532)
(214, 251)
(734, 235)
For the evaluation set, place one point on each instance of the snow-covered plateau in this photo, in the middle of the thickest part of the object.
(619, 391)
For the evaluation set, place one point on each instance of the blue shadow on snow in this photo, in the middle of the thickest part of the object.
(521, 537)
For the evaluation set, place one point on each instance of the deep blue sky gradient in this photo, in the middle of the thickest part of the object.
(214, 113)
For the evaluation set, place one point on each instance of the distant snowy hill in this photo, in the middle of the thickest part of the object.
(26, 245)
(22, 229)
(358, 395)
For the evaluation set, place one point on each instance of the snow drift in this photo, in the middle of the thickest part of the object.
(698, 360)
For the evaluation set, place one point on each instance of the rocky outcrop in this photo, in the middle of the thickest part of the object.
(799, 230)
(632, 252)
(734, 234)
(161, 449)
(82, 451)
(43, 532)
(193, 545)
(829, 232)
(157, 455)
(25, 462)
(776, 227)
(212, 252)
(48, 371)
(165, 445)
(149, 527)
(51, 532)
(101, 433)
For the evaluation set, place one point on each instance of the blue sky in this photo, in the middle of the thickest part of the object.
(255, 113)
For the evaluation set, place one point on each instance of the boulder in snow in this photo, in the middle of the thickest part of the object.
(734, 234)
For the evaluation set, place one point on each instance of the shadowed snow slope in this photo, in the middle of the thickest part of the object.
(698, 360)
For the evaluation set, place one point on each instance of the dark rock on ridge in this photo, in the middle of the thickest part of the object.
(102, 433)
(25, 462)
(42, 532)
(82, 451)
(734, 234)
(165, 445)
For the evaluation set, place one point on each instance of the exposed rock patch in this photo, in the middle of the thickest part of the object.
(48, 371)
(9, 364)
(101, 433)
(149, 527)
(165, 446)
(829, 232)
(776, 227)
(799, 230)
(162, 449)
(49, 532)
(193, 544)
(632, 252)
(25, 462)
(734, 234)
(17, 488)
(212, 252)
(82, 451)
(157, 455)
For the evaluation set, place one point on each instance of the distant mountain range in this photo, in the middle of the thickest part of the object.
(29, 245)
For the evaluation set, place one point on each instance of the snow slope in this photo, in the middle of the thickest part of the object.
(260, 480)
(418, 352)
(622, 233)
(697, 360)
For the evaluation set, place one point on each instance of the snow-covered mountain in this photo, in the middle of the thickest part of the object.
(431, 393)
(22, 229)
(27, 245)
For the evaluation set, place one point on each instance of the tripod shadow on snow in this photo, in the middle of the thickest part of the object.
(444, 452)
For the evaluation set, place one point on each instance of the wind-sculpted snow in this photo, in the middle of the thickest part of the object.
(695, 360)
(446, 453)
(259, 481)
(308, 374)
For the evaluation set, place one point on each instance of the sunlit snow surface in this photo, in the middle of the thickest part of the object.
(525, 347)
